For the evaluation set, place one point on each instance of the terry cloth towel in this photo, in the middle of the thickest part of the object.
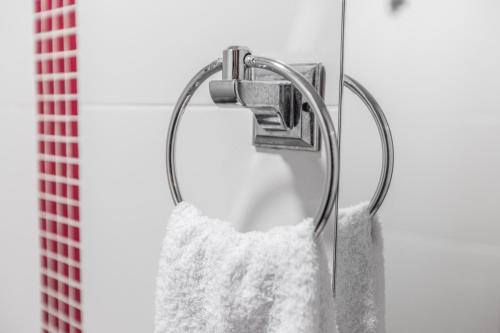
(213, 279)
(360, 298)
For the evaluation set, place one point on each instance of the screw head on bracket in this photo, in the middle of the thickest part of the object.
(233, 64)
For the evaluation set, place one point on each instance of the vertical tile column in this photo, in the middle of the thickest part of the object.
(57, 115)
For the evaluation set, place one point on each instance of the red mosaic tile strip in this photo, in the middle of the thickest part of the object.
(58, 165)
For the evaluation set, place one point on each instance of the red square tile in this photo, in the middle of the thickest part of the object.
(43, 205)
(53, 284)
(39, 87)
(43, 243)
(40, 108)
(46, 5)
(63, 249)
(52, 227)
(38, 46)
(58, 22)
(74, 233)
(45, 317)
(43, 261)
(60, 86)
(51, 207)
(61, 107)
(61, 128)
(50, 127)
(65, 308)
(62, 169)
(42, 186)
(47, 24)
(62, 209)
(44, 280)
(75, 294)
(62, 189)
(72, 86)
(65, 269)
(74, 253)
(74, 213)
(50, 148)
(61, 149)
(45, 298)
(76, 314)
(47, 45)
(49, 107)
(38, 6)
(53, 265)
(74, 192)
(71, 65)
(63, 230)
(73, 128)
(51, 187)
(39, 67)
(64, 288)
(59, 43)
(41, 147)
(70, 21)
(43, 224)
(38, 25)
(74, 171)
(71, 42)
(59, 65)
(72, 108)
(73, 150)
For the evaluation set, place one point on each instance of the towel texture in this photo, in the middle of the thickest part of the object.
(215, 279)
(360, 297)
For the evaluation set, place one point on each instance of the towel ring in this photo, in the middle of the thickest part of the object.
(316, 103)
(385, 138)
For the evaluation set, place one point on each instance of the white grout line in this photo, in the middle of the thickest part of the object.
(60, 239)
(60, 179)
(57, 76)
(55, 33)
(56, 117)
(58, 138)
(55, 54)
(70, 282)
(60, 219)
(56, 97)
(59, 258)
(55, 11)
(61, 315)
(62, 297)
(58, 199)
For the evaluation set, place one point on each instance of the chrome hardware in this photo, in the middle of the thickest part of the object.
(283, 119)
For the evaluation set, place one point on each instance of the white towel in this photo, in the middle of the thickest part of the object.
(360, 297)
(213, 279)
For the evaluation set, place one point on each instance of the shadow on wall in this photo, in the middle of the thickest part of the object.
(396, 5)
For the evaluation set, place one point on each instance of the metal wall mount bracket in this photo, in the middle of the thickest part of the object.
(283, 119)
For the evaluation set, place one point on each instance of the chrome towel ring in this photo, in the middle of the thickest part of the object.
(385, 138)
(239, 63)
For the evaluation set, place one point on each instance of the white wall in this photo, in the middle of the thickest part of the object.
(19, 276)
(432, 66)
(423, 63)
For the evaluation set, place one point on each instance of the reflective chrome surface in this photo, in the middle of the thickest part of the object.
(283, 119)
(385, 138)
(316, 105)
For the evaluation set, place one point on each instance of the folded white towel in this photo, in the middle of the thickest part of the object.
(360, 297)
(215, 279)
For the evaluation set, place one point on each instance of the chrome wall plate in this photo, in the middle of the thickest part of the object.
(302, 132)
(283, 119)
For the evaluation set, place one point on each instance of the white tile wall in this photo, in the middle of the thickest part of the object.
(432, 66)
(19, 260)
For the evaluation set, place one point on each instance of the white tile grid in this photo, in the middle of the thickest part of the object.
(71, 324)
